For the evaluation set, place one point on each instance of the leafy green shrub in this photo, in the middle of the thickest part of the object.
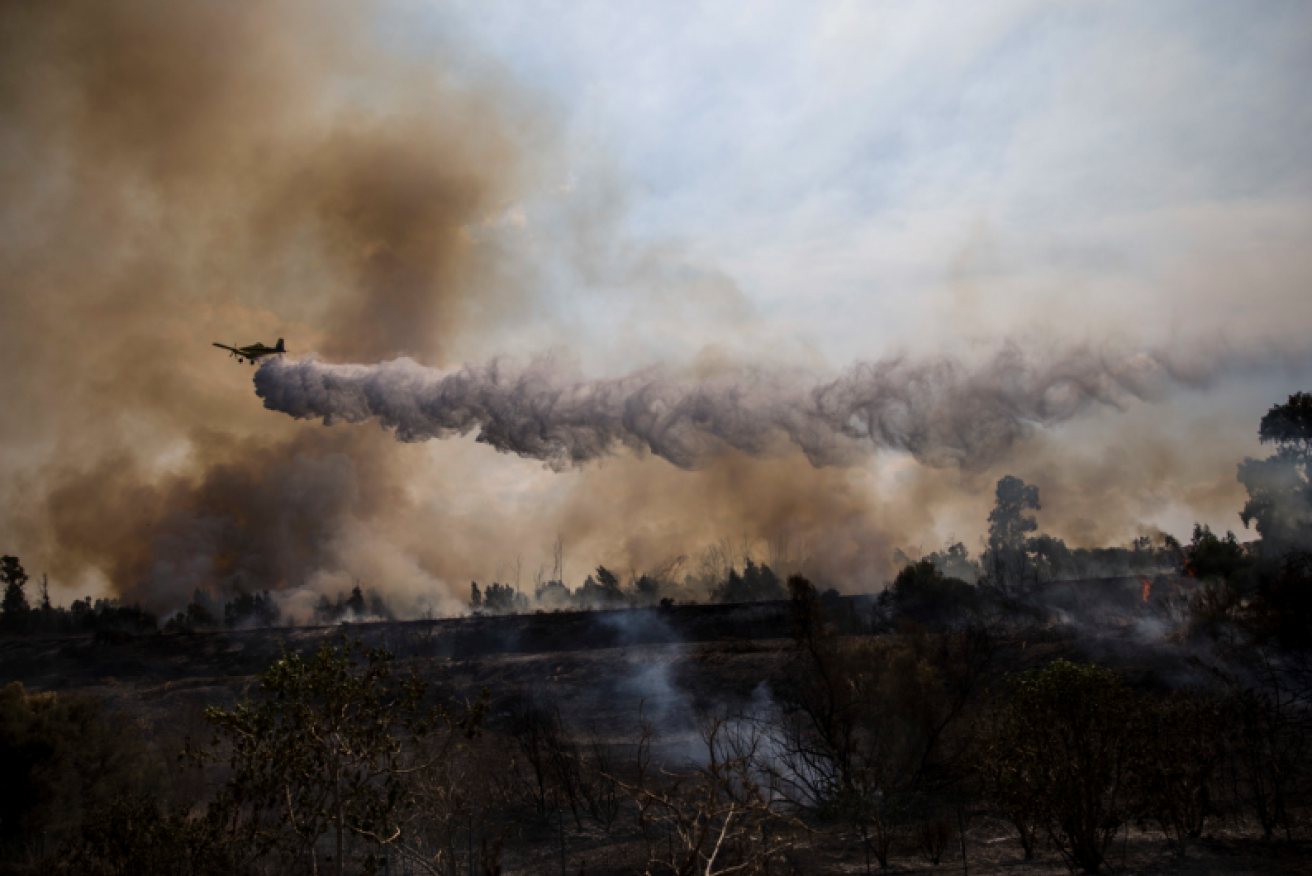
(1057, 753)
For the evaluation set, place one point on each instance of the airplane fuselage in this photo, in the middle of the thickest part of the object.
(253, 352)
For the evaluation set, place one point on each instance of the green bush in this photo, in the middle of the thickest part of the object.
(1057, 753)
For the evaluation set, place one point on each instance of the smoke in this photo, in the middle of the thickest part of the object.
(277, 513)
(939, 411)
(173, 174)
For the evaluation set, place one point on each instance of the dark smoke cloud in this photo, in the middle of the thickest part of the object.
(941, 412)
(173, 174)
(269, 517)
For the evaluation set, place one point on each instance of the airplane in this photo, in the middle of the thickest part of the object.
(253, 352)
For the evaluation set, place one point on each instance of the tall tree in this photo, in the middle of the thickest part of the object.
(14, 608)
(1007, 561)
(1280, 486)
(609, 582)
(355, 602)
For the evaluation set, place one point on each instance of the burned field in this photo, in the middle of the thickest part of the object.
(601, 736)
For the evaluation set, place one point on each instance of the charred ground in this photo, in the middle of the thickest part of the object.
(607, 671)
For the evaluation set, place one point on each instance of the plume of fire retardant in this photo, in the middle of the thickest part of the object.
(940, 411)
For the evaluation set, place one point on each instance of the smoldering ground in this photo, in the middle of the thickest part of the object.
(177, 174)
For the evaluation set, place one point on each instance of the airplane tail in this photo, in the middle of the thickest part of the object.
(280, 348)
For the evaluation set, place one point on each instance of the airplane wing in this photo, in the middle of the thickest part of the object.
(226, 347)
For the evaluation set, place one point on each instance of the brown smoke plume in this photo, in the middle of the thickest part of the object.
(178, 173)
(173, 174)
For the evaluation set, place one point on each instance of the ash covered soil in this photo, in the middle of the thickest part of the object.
(606, 670)
(602, 667)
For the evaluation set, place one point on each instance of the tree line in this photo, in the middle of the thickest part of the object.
(204, 611)
(18, 617)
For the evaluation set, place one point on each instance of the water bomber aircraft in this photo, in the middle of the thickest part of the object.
(253, 352)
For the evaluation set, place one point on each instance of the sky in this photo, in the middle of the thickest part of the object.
(704, 189)
(867, 175)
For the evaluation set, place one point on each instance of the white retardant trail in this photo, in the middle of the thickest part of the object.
(940, 411)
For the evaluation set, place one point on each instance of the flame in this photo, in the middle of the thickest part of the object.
(1147, 588)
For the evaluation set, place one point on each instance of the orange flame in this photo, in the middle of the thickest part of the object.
(1147, 588)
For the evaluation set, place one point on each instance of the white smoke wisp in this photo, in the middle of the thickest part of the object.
(940, 411)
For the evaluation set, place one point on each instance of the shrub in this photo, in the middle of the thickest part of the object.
(60, 757)
(1057, 754)
(923, 593)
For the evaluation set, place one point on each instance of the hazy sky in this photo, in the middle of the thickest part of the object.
(874, 175)
(695, 186)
